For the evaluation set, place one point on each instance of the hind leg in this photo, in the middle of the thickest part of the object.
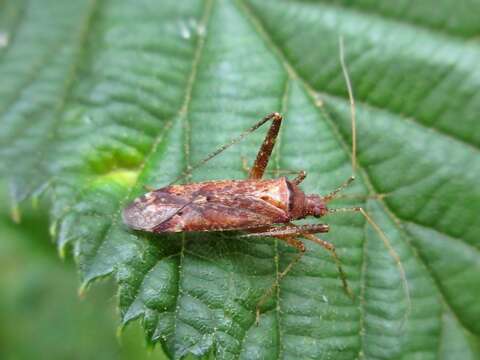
(290, 233)
(263, 155)
(294, 242)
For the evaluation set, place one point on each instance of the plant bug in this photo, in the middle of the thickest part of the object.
(260, 207)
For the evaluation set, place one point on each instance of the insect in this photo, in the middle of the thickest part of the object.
(257, 206)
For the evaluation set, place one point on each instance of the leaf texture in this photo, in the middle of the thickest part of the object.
(99, 98)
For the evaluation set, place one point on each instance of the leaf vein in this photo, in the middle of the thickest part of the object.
(294, 74)
(183, 112)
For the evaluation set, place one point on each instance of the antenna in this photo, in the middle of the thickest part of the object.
(391, 251)
(352, 106)
(224, 147)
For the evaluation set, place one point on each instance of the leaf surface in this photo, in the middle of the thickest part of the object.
(99, 98)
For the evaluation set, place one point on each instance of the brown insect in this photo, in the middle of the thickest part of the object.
(260, 207)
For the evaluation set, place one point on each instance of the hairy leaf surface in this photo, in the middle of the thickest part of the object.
(99, 98)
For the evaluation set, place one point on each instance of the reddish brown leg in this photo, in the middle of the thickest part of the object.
(331, 248)
(292, 241)
(263, 156)
(291, 232)
(276, 117)
(300, 174)
(307, 232)
(300, 177)
(387, 244)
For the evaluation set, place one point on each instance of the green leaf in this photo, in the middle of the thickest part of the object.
(99, 98)
(32, 278)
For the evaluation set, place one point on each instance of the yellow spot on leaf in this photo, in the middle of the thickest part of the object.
(122, 177)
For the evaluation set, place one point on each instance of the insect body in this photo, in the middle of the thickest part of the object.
(254, 205)
(260, 207)
(222, 205)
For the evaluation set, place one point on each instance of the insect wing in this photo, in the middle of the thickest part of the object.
(223, 213)
(148, 211)
(210, 206)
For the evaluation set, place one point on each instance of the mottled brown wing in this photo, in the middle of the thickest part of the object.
(211, 206)
(276, 190)
(217, 214)
(152, 209)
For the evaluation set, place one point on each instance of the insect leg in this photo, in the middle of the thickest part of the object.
(224, 147)
(289, 233)
(289, 230)
(300, 177)
(261, 162)
(331, 248)
(307, 232)
(300, 174)
(387, 244)
(292, 241)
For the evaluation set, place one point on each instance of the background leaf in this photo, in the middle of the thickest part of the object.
(99, 98)
(39, 302)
